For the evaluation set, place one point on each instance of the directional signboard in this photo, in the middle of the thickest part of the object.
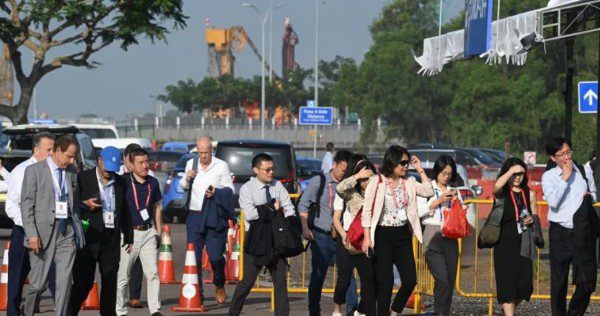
(478, 27)
(588, 96)
(310, 103)
(316, 115)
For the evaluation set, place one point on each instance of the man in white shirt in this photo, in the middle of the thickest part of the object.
(5, 178)
(327, 163)
(18, 259)
(203, 176)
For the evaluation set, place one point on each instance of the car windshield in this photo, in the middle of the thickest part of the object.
(180, 165)
(168, 156)
(482, 157)
(310, 164)
(239, 159)
(99, 132)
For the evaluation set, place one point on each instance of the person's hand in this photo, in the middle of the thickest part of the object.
(128, 247)
(210, 192)
(343, 236)
(277, 205)
(528, 220)
(567, 169)
(307, 234)
(92, 204)
(364, 173)
(416, 163)
(366, 245)
(189, 175)
(35, 244)
(516, 169)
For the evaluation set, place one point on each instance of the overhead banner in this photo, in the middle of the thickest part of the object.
(478, 27)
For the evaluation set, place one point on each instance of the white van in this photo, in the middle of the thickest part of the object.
(121, 143)
(98, 131)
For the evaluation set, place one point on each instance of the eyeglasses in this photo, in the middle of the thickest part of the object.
(568, 153)
(268, 170)
(447, 174)
(404, 163)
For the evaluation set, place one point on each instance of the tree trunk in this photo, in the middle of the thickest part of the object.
(22, 108)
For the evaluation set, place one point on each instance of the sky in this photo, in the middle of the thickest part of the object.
(126, 81)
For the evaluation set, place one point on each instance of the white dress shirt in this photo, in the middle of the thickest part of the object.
(436, 217)
(15, 184)
(327, 162)
(253, 193)
(216, 174)
(563, 197)
(6, 178)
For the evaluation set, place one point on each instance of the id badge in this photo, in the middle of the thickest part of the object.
(62, 210)
(144, 214)
(519, 230)
(109, 219)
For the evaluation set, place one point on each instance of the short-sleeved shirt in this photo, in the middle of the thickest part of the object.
(149, 186)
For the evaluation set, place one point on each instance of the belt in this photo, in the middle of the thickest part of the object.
(142, 227)
(561, 227)
(322, 231)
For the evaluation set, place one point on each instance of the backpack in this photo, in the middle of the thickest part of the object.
(314, 210)
(189, 189)
(287, 235)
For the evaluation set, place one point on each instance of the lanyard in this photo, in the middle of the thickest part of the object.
(135, 198)
(59, 186)
(103, 196)
(393, 191)
(512, 196)
(435, 190)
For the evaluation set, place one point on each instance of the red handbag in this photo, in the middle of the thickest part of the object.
(455, 222)
(356, 233)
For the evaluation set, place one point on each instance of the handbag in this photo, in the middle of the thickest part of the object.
(490, 232)
(356, 233)
(455, 222)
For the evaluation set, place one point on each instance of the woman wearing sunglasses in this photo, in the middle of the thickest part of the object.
(348, 202)
(390, 219)
(512, 258)
(441, 253)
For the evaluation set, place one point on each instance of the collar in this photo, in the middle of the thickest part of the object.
(52, 164)
(210, 165)
(262, 184)
(32, 159)
(329, 178)
(146, 180)
(110, 181)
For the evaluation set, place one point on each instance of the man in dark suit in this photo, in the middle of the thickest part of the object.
(102, 197)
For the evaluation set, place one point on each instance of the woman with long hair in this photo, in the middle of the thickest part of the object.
(390, 219)
(348, 202)
(512, 259)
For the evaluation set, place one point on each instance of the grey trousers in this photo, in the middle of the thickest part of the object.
(61, 250)
(441, 255)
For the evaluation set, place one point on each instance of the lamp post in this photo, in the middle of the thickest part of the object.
(263, 21)
(316, 73)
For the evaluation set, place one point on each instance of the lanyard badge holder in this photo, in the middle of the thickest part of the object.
(108, 215)
(61, 205)
(520, 215)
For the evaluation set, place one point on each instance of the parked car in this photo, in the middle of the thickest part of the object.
(475, 168)
(485, 160)
(121, 143)
(183, 147)
(376, 160)
(239, 153)
(163, 160)
(307, 168)
(498, 155)
(174, 198)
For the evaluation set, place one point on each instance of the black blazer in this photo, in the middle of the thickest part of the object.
(259, 239)
(88, 184)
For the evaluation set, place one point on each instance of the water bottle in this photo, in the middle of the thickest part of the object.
(524, 213)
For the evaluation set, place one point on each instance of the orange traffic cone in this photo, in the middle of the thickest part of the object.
(4, 278)
(166, 270)
(411, 302)
(92, 302)
(233, 264)
(189, 299)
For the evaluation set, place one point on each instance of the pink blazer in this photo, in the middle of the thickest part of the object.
(373, 211)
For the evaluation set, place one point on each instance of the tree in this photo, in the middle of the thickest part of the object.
(86, 27)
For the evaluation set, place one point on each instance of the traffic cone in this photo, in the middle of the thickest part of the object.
(189, 299)
(233, 264)
(411, 302)
(4, 278)
(92, 302)
(166, 270)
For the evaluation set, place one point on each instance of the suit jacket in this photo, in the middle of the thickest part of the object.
(373, 211)
(88, 183)
(217, 211)
(38, 203)
(259, 240)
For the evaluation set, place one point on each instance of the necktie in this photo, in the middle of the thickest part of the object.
(268, 194)
(62, 223)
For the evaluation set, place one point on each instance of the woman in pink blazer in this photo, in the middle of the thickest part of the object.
(390, 219)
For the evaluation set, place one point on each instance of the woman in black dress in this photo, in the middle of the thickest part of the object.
(514, 272)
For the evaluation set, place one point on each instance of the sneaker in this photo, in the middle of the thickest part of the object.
(221, 295)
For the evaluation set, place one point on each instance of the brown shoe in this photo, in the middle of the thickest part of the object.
(135, 303)
(221, 295)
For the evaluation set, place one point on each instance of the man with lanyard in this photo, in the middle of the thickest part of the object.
(143, 203)
(322, 242)
(18, 259)
(206, 177)
(51, 219)
(103, 197)
(137, 273)
(571, 234)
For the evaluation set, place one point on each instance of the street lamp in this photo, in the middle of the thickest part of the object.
(263, 21)
(273, 8)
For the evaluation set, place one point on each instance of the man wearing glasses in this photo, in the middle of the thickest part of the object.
(573, 230)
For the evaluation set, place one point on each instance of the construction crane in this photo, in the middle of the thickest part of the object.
(222, 43)
(6, 78)
(288, 58)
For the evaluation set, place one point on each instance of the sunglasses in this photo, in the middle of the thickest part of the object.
(404, 163)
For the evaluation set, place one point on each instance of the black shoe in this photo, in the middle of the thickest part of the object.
(157, 314)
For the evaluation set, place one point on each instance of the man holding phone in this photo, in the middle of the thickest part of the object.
(204, 176)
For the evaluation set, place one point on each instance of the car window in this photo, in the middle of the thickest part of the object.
(86, 147)
(310, 165)
(180, 165)
(421, 154)
(462, 158)
(99, 132)
(481, 156)
(240, 158)
(168, 156)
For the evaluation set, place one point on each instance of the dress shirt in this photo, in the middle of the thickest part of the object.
(423, 204)
(324, 220)
(589, 174)
(252, 194)
(15, 184)
(563, 197)
(58, 190)
(327, 163)
(216, 174)
(107, 193)
(5, 179)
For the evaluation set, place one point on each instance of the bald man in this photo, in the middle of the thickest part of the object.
(204, 176)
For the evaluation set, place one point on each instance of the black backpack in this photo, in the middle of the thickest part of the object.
(314, 210)
(287, 235)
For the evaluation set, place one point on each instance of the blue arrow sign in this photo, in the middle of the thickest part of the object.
(316, 115)
(588, 96)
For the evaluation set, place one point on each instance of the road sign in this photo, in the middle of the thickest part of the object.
(478, 27)
(588, 96)
(310, 103)
(316, 115)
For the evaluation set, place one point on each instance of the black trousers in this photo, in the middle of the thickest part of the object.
(346, 264)
(393, 247)
(278, 272)
(84, 270)
(442, 259)
(135, 280)
(561, 257)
